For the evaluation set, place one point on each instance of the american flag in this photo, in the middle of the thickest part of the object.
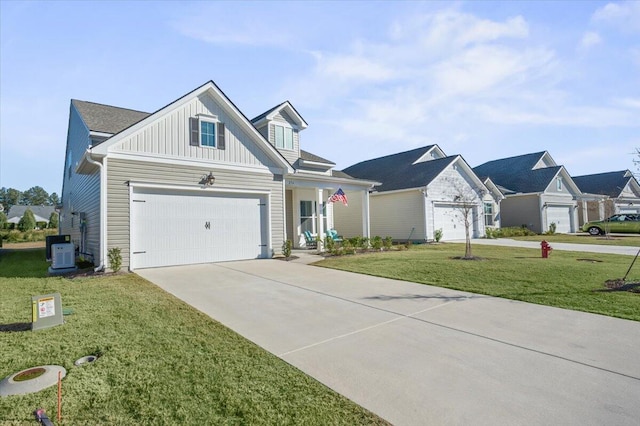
(339, 196)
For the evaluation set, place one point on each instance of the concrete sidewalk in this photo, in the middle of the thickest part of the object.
(416, 354)
(589, 248)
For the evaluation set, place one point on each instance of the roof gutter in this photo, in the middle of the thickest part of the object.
(103, 208)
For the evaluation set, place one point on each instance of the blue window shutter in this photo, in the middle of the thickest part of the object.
(195, 132)
(221, 140)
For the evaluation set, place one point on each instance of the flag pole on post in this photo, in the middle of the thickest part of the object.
(339, 195)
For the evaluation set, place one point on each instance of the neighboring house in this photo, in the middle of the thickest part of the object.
(193, 182)
(41, 213)
(422, 190)
(605, 194)
(537, 192)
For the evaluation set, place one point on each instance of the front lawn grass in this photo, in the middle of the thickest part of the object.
(160, 362)
(562, 280)
(632, 240)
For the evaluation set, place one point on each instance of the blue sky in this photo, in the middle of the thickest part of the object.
(483, 79)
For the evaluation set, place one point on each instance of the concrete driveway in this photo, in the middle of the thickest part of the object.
(416, 354)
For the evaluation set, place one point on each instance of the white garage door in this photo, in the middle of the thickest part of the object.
(561, 216)
(451, 221)
(180, 228)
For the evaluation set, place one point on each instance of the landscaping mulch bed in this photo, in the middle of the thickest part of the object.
(621, 285)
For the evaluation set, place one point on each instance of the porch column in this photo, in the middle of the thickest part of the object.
(601, 209)
(319, 218)
(366, 219)
(585, 212)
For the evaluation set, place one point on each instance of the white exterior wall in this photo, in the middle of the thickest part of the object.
(557, 199)
(80, 193)
(453, 182)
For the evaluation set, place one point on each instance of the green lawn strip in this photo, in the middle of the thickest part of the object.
(512, 273)
(618, 240)
(161, 361)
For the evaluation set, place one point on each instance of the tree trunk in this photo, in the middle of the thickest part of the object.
(467, 246)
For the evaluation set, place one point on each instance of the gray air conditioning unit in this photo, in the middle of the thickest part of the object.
(63, 256)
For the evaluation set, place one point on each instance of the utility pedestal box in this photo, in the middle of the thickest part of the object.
(46, 311)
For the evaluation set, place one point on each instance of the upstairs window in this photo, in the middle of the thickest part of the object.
(559, 184)
(284, 137)
(207, 133)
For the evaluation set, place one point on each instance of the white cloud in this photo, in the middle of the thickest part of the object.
(624, 15)
(245, 30)
(628, 102)
(589, 40)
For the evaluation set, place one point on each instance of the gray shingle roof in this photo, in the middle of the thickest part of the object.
(42, 211)
(610, 183)
(304, 155)
(516, 173)
(106, 118)
(397, 171)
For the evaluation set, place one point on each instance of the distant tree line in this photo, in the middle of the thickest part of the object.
(35, 196)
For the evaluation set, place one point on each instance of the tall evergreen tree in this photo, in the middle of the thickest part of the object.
(53, 220)
(27, 222)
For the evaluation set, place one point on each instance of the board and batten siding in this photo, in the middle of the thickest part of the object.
(121, 171)
(169, 137)
(80, 192)
(291, 155)
(396, 214)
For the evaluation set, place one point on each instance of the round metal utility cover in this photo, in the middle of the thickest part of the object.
(20, 383)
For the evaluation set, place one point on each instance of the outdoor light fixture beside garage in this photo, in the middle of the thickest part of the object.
(209, 179)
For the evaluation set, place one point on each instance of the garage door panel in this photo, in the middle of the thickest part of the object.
(451, 221)
(180, 228)
(561, 216)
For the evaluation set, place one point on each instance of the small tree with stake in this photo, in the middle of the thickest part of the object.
(466, 198)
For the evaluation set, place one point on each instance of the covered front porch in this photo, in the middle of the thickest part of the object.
(308, 207)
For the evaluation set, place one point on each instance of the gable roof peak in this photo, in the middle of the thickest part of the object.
(284, 106)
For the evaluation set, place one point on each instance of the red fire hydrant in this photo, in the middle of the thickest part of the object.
(546, 249)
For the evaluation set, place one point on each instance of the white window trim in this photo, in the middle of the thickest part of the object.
(559, 184)
(208, 119)
(284, 125)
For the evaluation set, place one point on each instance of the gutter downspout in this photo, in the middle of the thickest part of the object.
(103, 210)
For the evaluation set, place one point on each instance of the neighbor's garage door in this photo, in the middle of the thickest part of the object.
(451, 221)
(180, 228)
(561, 216)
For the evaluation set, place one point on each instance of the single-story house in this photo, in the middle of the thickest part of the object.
(537, 192)
(605, 194)
(193, 182)
(41, 213)
(421, 191)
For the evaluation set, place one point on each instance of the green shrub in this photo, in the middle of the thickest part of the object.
(348, 247)
(387, 243)
(286, 248)
(330, 245)
(376, 243)
(513, 231)
(115, 259)
(552, 229)
(437, 235)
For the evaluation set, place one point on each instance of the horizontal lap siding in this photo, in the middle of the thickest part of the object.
(122, 171)
(81, 193)
(394, 215)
